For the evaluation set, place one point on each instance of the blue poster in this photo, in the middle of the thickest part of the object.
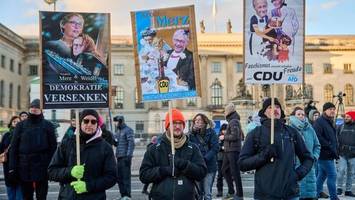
(165, 52)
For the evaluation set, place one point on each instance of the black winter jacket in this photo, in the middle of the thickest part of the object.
(5, 142)
(326, 134)
(99, 174)
(346, 140)
(278, 179)
(32, 148)
(166, 187)
(234, 135)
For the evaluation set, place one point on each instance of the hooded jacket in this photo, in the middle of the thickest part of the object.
(124, 138)
(32, 148)
(99, 163)
(278, 179)
(346, 139)
(234, 135)
(166, 187)
(326, 134)
(207, 142)
(308, 185)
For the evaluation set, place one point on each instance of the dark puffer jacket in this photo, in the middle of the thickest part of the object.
(346, 139)
(4, 145)
(207, 143)
(99, 174)
(234, 135)
(278, 179)
(32, 148)
(166, 187)
(326, 134)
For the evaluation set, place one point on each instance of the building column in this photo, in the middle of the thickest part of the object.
(231, 90)
(203, 80)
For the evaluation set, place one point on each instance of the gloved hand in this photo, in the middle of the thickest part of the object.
(12, 177)
(180, 163)
(79, 186)
(166, 171)
(77, 171)
(270, 151)
(127, 160)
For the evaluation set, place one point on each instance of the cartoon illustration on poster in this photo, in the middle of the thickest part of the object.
(75, 56)
(274, 41)
(166, 53)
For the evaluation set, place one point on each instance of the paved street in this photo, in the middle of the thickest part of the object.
(113, 193)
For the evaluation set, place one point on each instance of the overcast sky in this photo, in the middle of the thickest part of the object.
(322, 16)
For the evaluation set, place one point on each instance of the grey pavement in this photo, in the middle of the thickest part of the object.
(113, 193)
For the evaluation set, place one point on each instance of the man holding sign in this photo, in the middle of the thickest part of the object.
(173, 177)
(276, 174)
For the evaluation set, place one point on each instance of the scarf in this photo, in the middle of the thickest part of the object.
(178, 142)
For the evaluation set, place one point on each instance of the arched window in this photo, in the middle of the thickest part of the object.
(119, 98)
(308, 92)
(216, 93)
(328, 93)
(349, 91)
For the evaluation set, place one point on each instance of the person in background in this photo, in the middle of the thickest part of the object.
(32, 147)
(13, 188)
(222, 131)
(71, 129)
(124, 152)
(253, 122)
(97, 170)
(157, 165)
(232, 146)
(308, 185)
(203, 135)
(23, 115)
(346, 140)
(313, 116)
(106, 134)
(153, 140)
(326, 132)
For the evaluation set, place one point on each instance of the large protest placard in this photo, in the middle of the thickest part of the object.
(165, 51)
(273, 41)
(75, 53)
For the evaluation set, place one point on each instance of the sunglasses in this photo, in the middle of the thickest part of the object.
(92, 121)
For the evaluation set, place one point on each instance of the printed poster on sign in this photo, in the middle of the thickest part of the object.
(75, 52)
(165, 51)
(273, 41)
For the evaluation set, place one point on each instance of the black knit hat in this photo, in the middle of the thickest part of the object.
(266, 104)
(328, 105)
(87, 112)
(36, 103)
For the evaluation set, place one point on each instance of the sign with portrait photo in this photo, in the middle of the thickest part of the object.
(273, 41)
(75, 53)
(165, 51)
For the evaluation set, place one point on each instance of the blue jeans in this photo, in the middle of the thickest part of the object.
(206, 184)
(346, 165)
(327, 170)
(14, 193)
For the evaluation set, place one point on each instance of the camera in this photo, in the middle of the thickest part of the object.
(339, 95)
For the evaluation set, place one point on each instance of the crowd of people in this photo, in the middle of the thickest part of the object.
(307, 149)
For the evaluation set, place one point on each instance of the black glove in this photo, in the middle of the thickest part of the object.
(180, 163)
(166, 171)
(270, 151)
(12, 177)
(127, 160)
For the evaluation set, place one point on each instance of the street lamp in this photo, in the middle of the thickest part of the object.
(51, 2)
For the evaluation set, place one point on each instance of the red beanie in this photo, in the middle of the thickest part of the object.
(177, 116)
(352, 114)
